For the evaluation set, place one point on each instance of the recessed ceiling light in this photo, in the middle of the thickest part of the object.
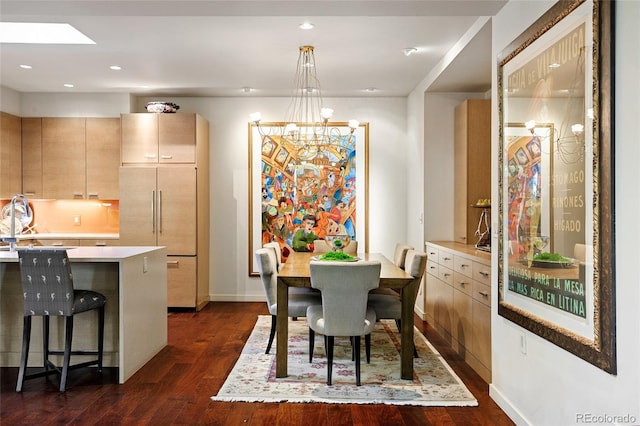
(26, 67)
(68, 85)
(306, 26)
(115, 67)
(247, 89)
(409, 50)
(41, 33)
(370, 89)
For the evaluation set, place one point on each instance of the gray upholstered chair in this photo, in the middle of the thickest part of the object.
(278, 251)
(344, 287)
(48, 290)
(298, 302)
(389, 306)
(400, 254)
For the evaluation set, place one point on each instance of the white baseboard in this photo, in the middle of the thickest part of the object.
(507, 407)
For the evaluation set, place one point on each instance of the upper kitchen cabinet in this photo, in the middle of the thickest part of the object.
(71, 158)
(10, 155)
(103, 158)
(149, 138)
(63, 154)
(472, 166)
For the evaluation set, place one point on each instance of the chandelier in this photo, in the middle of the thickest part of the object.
(306, 124)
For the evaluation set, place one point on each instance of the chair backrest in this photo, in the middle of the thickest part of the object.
(344, 287)
(278, 251)
(47, 282)
(415, 265)
(267, 266)
(400, 254)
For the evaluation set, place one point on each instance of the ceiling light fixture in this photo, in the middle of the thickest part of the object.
(409, 50)
(306, 26)
(247, 89)
(26, 67)
(68, 85)
(115, 67)
(41, 33)
(307, 128)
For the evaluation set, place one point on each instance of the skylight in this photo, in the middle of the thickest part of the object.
(41, 33)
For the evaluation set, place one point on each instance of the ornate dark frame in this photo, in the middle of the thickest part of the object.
(601, 351)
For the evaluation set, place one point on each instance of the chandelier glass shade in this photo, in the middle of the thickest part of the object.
(306, 124)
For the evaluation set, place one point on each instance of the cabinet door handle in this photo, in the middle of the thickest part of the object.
(149, 156)
(484, 274)
(159, 212)
(464, 265)
(446, 275)
(153, 211)
(432, 267)
(483, 293)
(462, 283)
(92, 195)
(78, 195)
(166, 157)
(447, 258)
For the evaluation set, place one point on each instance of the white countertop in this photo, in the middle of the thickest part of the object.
(69, 236)
(91, 253)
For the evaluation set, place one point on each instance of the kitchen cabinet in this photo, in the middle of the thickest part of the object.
(167, 204)
(458, 301)
(71, 158)
(160, 138)
(63, 154)
(472, 166)
(10, 155)
(32, 157)
(102, 158)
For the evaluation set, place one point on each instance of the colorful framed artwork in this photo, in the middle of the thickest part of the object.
(326, 182)
(556, 275)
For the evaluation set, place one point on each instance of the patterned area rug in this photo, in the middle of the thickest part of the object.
(253, 377)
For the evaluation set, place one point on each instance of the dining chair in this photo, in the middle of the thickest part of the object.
(298, 302)
(344, 287)
(48, 290)
(389, 306)
(400, 254)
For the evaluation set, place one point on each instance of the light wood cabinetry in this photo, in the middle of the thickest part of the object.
(167, 204)
(32, 157)
(10, 155)
(103, 158)
(472, 165)
(159, 138)
(71, 158)
(458, 301)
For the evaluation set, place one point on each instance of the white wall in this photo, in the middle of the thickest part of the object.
(548, 385)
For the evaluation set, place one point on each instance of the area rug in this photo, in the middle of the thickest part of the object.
(253, 377)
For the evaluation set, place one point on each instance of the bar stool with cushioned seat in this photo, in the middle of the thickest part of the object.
(47, 287)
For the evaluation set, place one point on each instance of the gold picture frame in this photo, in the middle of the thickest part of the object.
(556, 274)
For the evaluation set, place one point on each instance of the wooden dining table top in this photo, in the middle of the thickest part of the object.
(296, 270)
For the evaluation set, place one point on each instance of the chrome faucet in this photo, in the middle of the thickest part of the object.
(11, 239)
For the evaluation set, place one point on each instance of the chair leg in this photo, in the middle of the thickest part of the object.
(312, 341)
(329, 348)
(26, 337)
(357, 349)
(45, 341)
(272, 333)
(67, 351)
(367, 347)
(100, 336)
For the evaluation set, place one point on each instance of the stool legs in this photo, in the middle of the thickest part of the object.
(26, 337)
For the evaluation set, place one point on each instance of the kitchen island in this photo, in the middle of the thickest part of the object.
(134, 281)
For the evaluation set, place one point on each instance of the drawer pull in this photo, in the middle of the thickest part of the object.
(432, 267)
(483, 293)
(166, 157)
(462, 283)
(446, 275)
(464, 265)
(173, 262)
(150, 156)
(433, 253)
(484, 274)
(447, 258)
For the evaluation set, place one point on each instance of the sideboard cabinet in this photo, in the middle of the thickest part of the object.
(457, 300)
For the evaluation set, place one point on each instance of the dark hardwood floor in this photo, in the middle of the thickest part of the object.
(174, 387)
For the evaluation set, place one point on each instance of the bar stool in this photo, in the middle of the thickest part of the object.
(47, 287)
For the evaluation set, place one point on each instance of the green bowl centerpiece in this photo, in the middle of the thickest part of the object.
(337, 242)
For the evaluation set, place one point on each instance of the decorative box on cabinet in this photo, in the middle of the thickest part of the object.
(167, 204)
(472, 166)
(10, 155)
(458, 301)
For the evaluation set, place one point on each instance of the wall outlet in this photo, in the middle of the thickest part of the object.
(523, 343)
(77, 220)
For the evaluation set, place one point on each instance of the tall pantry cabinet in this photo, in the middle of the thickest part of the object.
(164, 197)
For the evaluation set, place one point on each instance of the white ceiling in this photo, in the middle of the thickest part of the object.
(215, 48)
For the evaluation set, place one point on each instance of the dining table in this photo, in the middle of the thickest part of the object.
(296, 273)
